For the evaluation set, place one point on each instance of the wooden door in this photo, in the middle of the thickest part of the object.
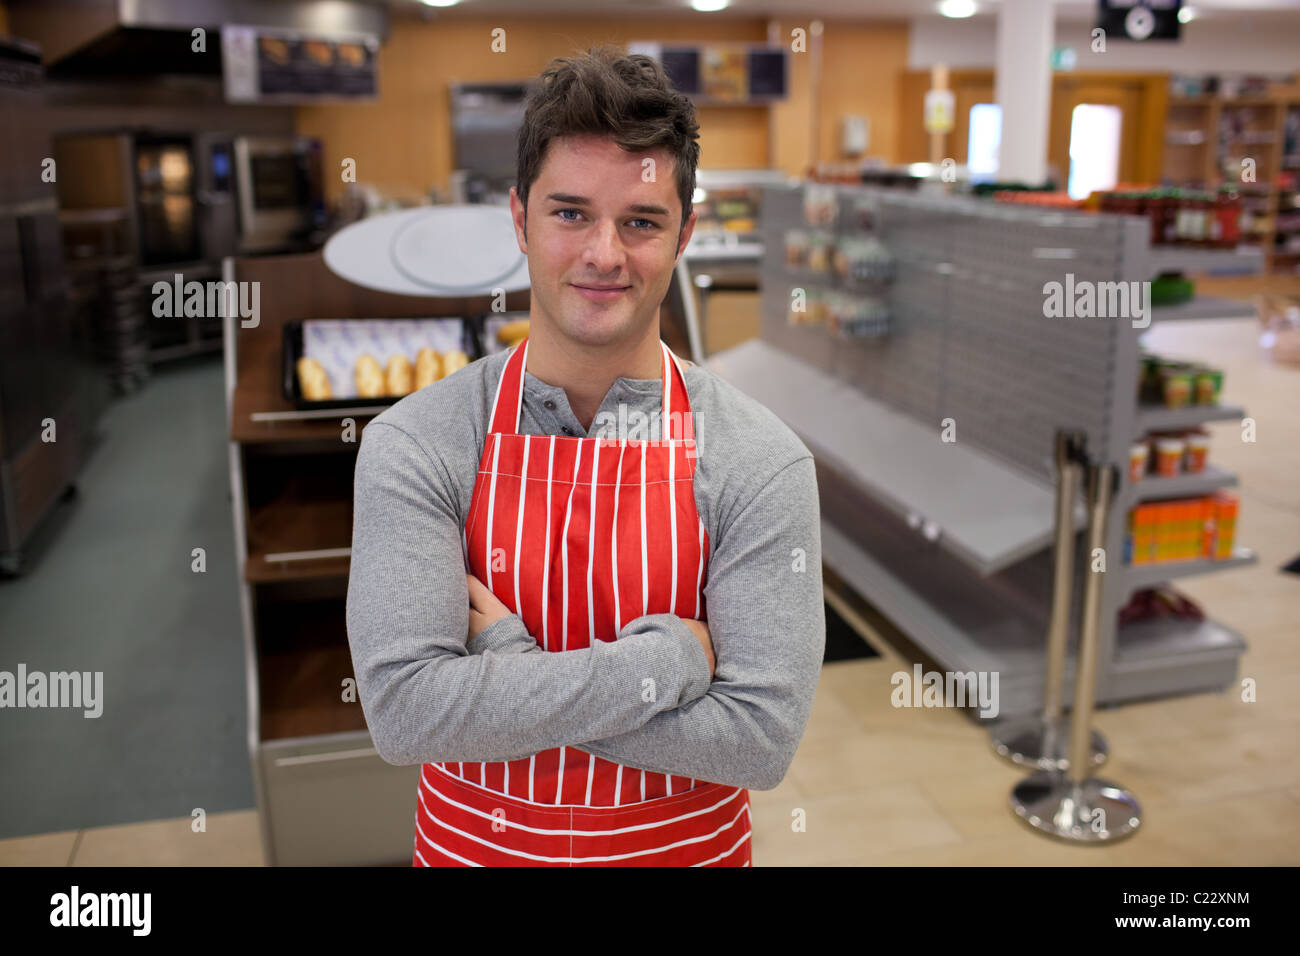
(967, 94)
(1070, 92)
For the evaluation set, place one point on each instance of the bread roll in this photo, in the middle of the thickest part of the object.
(428, 367)
(369, 376)
(313, 381)
(512, 333)
(452, 361)
(399, 378)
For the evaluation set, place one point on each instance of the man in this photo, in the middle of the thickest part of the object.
(640, 633)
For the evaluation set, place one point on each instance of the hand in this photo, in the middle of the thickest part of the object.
(701, 631)
(484, 607)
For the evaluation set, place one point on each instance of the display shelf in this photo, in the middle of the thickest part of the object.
(960, 624)
(1204, 307)
(963, 624)
(303, 662)
(299, 516)
(1157, 418)
(967, 342)
(324, 796)
(267, 568)
(293, 525)
(1153, 487)
(998, 517)
(259, 392)
(1137, 577)
(1161, 641)
(707, 251)
(1240, 261)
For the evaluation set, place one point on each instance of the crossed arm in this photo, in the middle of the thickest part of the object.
(431, 696)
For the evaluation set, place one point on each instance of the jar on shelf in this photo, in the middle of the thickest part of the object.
(1155, 203)
(796, 249)
(1228, 213)
(842, 257)
(819, 252)
(866, 212)
(820, 205)
(1169, 217)
(1205, 220)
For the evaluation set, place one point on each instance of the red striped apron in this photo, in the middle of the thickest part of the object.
(598, 533)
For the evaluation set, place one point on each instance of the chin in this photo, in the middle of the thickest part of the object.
(596, 326)
(597, 331)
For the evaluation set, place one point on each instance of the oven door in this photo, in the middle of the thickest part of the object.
(276, 192)
(166, 200)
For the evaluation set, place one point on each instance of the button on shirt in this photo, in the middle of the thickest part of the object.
(430, 696)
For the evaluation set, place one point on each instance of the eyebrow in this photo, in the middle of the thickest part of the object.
(584, 201)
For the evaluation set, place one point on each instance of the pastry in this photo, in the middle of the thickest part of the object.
(452, 361)
(313, 382)
(428, 367)
(400, 376)
(369, 376)
(512, 333)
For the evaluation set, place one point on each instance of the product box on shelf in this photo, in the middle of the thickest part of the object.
(1187, 529)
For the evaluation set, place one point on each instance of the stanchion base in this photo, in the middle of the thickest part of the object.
(1091, 811)
(1041, 744)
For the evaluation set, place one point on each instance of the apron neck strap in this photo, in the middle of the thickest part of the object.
(509, 397)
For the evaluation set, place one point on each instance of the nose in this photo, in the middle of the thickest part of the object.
(604, 252)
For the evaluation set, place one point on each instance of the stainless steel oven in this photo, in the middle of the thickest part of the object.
(173, 187)
(278, 182)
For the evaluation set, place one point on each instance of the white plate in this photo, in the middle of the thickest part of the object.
(434, 250)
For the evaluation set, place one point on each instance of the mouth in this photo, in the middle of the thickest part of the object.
(599, 292)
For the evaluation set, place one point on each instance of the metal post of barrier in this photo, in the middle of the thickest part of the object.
(1070, 805)
(1041, 741)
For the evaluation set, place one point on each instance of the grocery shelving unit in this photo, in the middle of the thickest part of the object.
(1205, 139)
(950, 538)
(324, 796)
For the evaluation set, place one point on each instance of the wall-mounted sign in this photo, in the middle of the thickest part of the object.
(263, 66)
(940, 107)
(1063, 58)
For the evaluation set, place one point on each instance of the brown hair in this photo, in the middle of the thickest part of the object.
(626, 97)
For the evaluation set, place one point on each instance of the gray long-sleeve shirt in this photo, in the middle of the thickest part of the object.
(430, 696)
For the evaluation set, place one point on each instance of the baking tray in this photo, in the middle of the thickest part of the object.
(380, 337)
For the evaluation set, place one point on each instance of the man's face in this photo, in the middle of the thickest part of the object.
(602, 238)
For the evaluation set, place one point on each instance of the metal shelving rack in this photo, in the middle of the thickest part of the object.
(949, 539)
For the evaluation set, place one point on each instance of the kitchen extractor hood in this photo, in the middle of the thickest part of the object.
(153, 37)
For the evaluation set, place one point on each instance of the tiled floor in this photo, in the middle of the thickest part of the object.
(1218, 778)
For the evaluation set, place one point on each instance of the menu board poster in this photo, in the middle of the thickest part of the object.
(724, 74)
(281, 67)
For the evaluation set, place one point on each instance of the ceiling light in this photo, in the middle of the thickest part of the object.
(440, 3)
(1186, 14)
(709, 6)
(957, 8)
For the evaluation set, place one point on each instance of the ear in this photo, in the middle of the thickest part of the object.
(520, 215)
(685, 237)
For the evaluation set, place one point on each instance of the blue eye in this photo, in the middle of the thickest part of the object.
(648, 226)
